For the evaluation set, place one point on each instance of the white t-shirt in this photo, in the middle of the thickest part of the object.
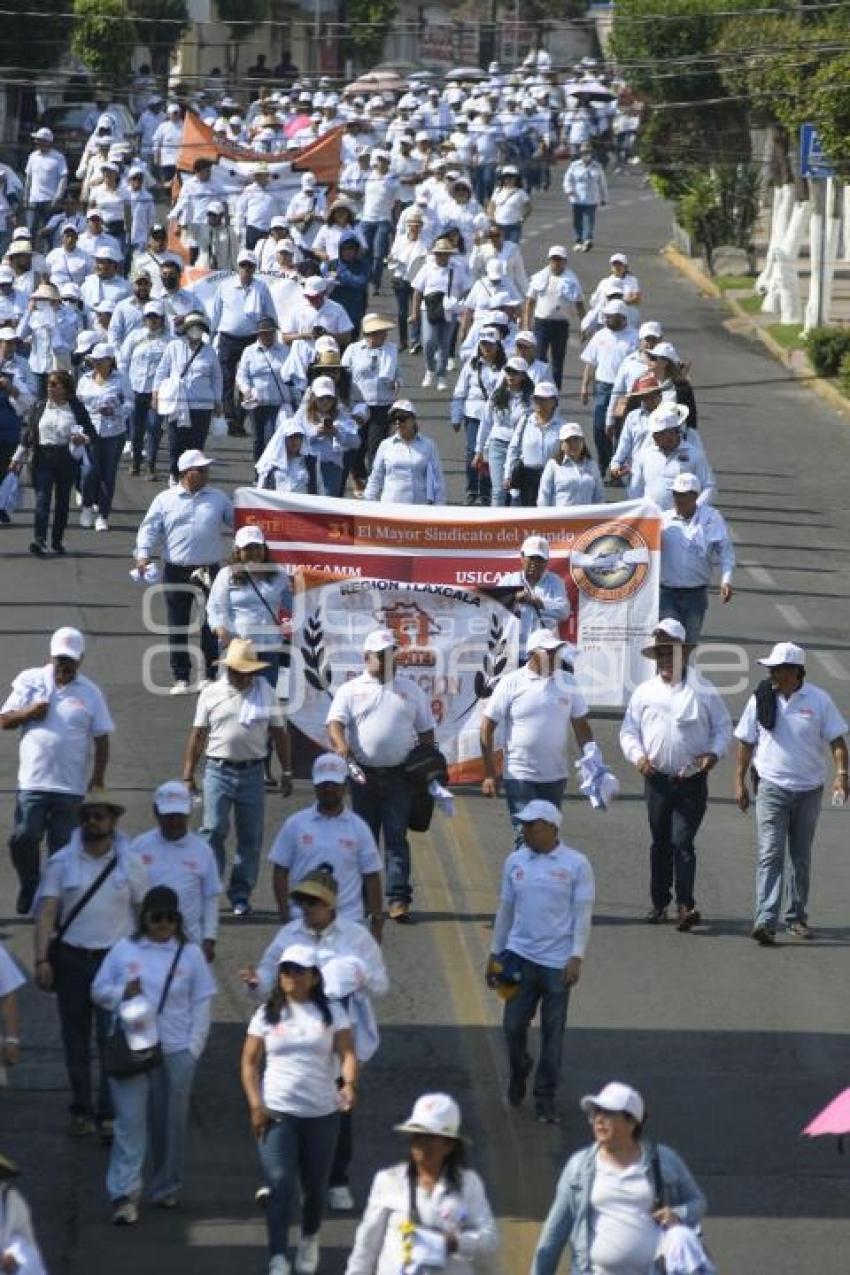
(54, 753)
(45, 172)
(625, 1238)
(344, 842)
(11, 977)
(536, 712)
(382, 719)
(110, 914)
(188, 867)
(218, 711)
(554, 294)
(793, 754)
(380, 193)
(300, 1073)
(509, 206)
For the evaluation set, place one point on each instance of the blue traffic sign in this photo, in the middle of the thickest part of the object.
(813, 161)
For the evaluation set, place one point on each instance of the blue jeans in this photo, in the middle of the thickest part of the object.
(240, 791)
(513, 233)
(151, 1113)
(146, 430)
(519, 792)
(497, 454)
(297, 1150)
(543, 986)
(784, 819)
(38, 813)
(379, 236)
(436, 339)
(332, 476)
(604, 446)
(688, 606)
(99, 486)
(584, 219)
(477, 485)
(75, 972)
(384, 802)
(263, 422)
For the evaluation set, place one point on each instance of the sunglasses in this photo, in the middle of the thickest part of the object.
(160, 918)
(95, 814)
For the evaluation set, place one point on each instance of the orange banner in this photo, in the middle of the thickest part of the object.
(321, 157)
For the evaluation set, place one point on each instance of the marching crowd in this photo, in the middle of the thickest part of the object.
(111, 351)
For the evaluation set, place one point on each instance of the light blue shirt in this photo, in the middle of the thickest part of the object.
(551, 591)
(245, 611)
(126, 316)
(201, 374)
(570, 482)
(653, 473)
(140, 356)
(187, 530)
(374, 373)
(236, 309)
(692, 547)
(531, 444)
(260, 375)
(406, 473)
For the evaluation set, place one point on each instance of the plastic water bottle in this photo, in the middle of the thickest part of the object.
(838, 798)
(356, 771)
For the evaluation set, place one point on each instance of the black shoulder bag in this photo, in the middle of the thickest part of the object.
(122, 1062)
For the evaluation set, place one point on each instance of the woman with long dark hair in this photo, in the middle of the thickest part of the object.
(479, 376)
(430, 1211)
(160, 987)
(59, 429)
(510, 400)
(297, 1044)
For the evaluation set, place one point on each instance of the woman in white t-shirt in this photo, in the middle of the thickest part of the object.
(296, 1047)
(160, 987)
(509, 205)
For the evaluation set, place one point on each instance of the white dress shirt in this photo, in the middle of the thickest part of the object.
(408, 473)
(692, 547)
(792, 755)
(653, 472)
(342, 937)
(673, 724)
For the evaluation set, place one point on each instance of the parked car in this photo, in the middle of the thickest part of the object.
(66, 123)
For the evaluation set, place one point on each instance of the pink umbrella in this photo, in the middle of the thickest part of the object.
(834, 1119)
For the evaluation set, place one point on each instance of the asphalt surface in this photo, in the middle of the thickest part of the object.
(733, 1046)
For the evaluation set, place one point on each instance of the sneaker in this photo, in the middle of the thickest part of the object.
(588, 244)
(180, 687)
(764, 936)
(340, 1199)
(451, 364)
(78, 497)
(167, 1201)
(242, 909)
(687, 918)
(279, 1265)
(100, 523)
(261, 1197)
(427, 380)
(399, 912)
(106, 1132)
(80, 1126)
(38, 548)
(545, 1113)
(86, 517)
(518, 1082)
(800, 930)
(23, 904)
(656, 916)
(127, 449)
(577, 246)
(414, 349)
(442, 383)
(307, 1255)
(59, 550)
(125, 1212)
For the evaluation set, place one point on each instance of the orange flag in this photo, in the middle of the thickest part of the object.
(321, 157)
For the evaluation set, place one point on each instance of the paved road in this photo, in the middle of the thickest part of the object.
(733, 1046)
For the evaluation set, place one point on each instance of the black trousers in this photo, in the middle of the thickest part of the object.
(676, 808)
(552, 336)
(178, 608)
(229, 353)
(53, 476)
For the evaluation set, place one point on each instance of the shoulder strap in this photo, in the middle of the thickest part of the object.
(274, 374)
(657, 1180)
(275, 618)
(190, 361)
(412, 1207)
(167, 988)
(86, 898)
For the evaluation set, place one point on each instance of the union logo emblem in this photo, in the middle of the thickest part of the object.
(412, 627)
(610, 563)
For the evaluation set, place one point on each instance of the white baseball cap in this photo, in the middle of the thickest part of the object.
(615, 1096)
(299, 954)
(545, 389)
(434, 1113)
(526, 336)
(684, 483)
(329, 768)
(246, 258)
(107, 253)
(103, 350)
(327, 344)
(535, 547)
(571, 429)
(544, 640)
(557, 250)
(402, 406)
(615, 307)
(154, 307)
(315, 286)
(665, 351)
(516, 364)
(651, 328)
(251, 534)
(668, 416)
(308, 180)
(323, 385)
(42, 135)
(173, 798)
(379, 640)
(537, 809)
(618, 258)
(670, 628)
(785, 653)
(193, 459)
(68, 642)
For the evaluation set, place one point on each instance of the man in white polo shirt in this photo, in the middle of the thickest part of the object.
(537, 705)
(540, 935)
(65, 726)
(329, 836)
(541, 598)
(553, 292)
(783, 732)
(180, 859)
(375, 720)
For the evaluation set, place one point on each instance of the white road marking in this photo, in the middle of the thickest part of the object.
(792, 615)
(761, 575)
(832, 665)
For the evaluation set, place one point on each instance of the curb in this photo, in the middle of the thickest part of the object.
(825, 389)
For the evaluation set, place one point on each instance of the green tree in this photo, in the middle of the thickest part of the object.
(104, 37)
(243, 17)
(369, 22)
(829, 110)
(161, 25)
